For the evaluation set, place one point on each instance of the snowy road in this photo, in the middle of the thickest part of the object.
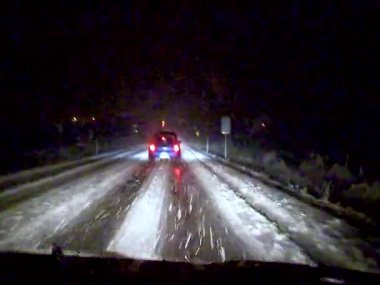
(195, 210)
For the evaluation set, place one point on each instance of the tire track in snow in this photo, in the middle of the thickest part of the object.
(11, 196)
(261, 235)
(35, 220)
(93, 229)
(279, 227)
(139, 234)
(332, 250)
(50, 170)
(192, 231)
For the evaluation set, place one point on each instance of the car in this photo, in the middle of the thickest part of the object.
(164, 145)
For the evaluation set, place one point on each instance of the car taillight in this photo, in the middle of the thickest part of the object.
(176, 148)
(152, 147)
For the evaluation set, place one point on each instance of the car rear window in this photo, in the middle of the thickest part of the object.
(165, 139)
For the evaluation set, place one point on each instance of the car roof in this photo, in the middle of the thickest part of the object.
(165, 133)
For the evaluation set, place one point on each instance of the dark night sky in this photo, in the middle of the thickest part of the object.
(313, 68)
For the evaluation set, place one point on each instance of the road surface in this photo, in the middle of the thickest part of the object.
(195, 210)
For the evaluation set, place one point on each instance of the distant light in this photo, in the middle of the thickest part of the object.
(93, 118)
(197, 133)
(152, 147)
(163, 123)
(74, 119)
(176, 148)
(263, 125)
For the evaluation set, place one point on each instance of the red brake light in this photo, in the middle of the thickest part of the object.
(152, 147)
(176, 148)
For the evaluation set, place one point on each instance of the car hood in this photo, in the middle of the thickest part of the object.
(109, 267)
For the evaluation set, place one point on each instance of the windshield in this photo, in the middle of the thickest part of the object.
(191, 132)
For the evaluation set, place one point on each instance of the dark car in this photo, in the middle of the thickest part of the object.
(164, 145)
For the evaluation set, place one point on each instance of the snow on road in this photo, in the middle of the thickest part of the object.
(260, 236)
(139, 234)
(189, 155)
(327, 238)
(27, 224)
(213, 208)
(63, 176)
(43, 170)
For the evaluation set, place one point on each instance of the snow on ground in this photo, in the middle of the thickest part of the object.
(26, 225)
(30, 173)
(188, 155)
(140, 156)
(66, 174)
(325, 237)
(139, 234)
(129, 154)
(259, 235)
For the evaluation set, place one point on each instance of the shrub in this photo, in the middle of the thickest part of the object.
(364, 191)
(277, 167)
(340, 179)
(313, 170)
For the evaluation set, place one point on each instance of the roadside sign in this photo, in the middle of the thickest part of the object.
(225, 127)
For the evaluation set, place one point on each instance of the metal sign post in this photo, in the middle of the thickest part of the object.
(225, 129)
(225, 146)
(207, 144)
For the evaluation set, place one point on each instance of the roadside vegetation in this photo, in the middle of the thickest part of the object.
(327, 182)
